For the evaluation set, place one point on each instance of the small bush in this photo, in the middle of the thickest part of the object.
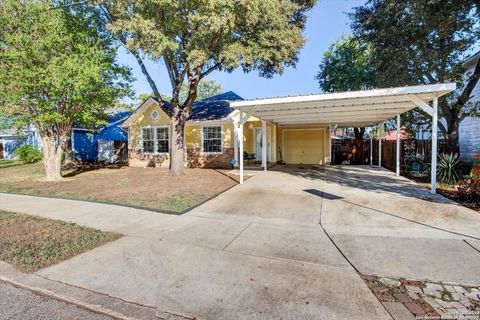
(469, 190)
(449, 168)
(28, 154)
(475, 173)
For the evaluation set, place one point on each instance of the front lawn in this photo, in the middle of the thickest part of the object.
(32, 243)
(150, 188)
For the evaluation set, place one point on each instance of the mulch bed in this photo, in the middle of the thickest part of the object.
(447, 191)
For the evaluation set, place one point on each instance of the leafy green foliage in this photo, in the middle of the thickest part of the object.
(206, 89)
(346, 65)
(424, 42)
(57, 67)
(449, 168)
(28, 154)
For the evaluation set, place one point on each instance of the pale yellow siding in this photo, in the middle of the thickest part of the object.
(145, 120)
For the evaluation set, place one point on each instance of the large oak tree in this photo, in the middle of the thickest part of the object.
(424, 42)
(195, 37)
(57, 66)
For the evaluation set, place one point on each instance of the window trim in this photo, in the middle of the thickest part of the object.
(155, 139)
(222, 139)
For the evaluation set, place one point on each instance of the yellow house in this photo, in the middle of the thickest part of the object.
(211, 137)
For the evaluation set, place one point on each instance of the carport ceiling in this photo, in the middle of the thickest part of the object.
(345, 109)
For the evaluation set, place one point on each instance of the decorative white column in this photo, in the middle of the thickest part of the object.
(264, 145)
(397, 158)
(330, 151)
(380, 152)
(371, 149)
(240, 135)
(433, 173)
(274, 143)
(235, 142)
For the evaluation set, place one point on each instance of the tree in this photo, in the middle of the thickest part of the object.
(424, 42)
(194, 38)
(206, 89)
(345, 66)
(57, 67)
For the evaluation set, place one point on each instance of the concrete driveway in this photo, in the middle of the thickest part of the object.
(255, 252)
(285, 245)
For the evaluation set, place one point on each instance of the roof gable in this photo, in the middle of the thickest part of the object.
(212, 108)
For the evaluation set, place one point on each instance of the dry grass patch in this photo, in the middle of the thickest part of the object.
(146, 187)
(32, 243)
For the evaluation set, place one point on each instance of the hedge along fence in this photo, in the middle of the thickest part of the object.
(410, 147)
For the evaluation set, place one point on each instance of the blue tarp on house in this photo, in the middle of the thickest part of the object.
(85, 142)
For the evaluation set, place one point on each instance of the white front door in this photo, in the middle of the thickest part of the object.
(258, 144)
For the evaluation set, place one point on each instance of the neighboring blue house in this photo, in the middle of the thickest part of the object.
(108, 144)
(12, 139)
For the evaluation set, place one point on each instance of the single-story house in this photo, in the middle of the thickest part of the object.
(108, 143)
(11, 139)
(210, 136)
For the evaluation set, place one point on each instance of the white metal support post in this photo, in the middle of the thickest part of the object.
(433, 172)
(240, 138)
(332, 154)
(274, 143)
(235, 142)
(397, 158)
(379, 152)
(264, 145)
(371, 149)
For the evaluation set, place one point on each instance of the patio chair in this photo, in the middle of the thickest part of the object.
(248, 156)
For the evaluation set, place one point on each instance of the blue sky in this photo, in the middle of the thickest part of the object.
(325, 24)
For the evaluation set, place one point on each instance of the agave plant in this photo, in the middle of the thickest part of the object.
(449, 168)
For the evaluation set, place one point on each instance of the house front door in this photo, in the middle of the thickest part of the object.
(258, 144)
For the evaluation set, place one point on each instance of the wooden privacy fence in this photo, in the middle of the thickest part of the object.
(410, 147)
(357, 151)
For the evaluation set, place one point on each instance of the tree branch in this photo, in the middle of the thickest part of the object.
(467, 90)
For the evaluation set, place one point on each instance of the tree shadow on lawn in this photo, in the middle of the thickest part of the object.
(86, 167)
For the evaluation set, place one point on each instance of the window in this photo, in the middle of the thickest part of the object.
(162, 140)
(155, 140)
(155, 114)
(212, 139)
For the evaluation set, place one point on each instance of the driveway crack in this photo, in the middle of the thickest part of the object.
(235, 238)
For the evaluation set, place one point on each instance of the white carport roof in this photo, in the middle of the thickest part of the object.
(344, 109)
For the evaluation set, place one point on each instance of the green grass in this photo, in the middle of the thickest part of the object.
(4, 163)
(180, 203)
(31, 243)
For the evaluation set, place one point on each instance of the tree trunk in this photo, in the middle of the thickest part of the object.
(359, 132)
(177, 153)
(52, 159)
(453, 135)
(69, 155)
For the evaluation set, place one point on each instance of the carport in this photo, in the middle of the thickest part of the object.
(364, 108)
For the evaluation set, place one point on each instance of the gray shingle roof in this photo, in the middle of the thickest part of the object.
(214, 108)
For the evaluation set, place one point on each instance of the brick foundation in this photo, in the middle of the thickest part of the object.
(138, 159)
(195, 159)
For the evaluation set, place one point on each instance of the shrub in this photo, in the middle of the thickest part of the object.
(28, 154)
(469, 190)
(449, 169)
(475, 173)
